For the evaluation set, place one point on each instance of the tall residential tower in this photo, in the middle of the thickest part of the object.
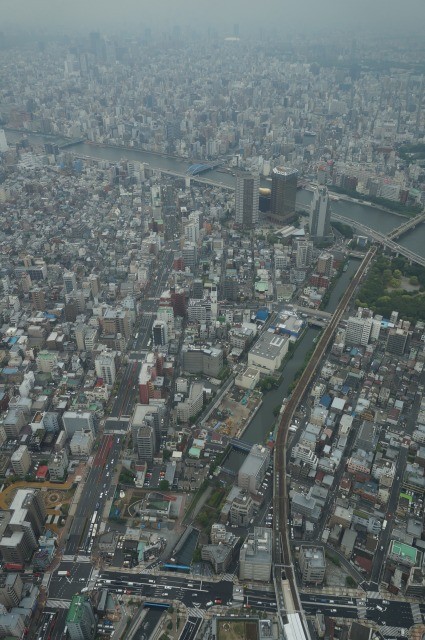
(284, 194)
(246, 199)
(320, 215)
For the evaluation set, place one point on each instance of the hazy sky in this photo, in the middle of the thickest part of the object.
(308, 14)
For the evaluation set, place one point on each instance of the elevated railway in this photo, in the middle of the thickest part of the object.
(287, 595)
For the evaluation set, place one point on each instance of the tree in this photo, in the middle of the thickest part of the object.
(413, 280)
(164, 485)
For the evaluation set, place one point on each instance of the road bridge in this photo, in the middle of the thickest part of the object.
(386, 240)
(282, 552)
(381, 238)
(315, 313)
(406, 226)
(201, 167)
(240, 444)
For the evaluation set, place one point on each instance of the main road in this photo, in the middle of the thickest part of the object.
(281, 543)
(98, 488)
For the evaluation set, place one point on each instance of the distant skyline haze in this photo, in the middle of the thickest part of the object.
(305, 15)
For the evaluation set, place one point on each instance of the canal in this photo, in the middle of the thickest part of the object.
(263, 421)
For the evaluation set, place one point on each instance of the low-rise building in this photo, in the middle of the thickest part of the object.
(312, 564)
(268, 352)
(81, 443)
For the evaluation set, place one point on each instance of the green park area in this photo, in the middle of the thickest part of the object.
(237, 630)
(394, 284)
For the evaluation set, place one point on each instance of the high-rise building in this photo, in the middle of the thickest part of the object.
(190, 255)
(324, 264)
(159, 333)
(253, 469)
(146, 443)
(198, 289)
(105, 367)
(11, 587)
(255, 558)
(247, 199)
(21, 460)
(69, 281)
(78, 421)
(24, 526)
(38, 299)
(358, 330)
(397, 341)
(284, 194)
(80, 620)
(3, 142)
(320, 214)
(151, 415)
(304, 253)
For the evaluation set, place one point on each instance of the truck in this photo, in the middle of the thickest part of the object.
(384, 525)
(13, 566)
(64, 573)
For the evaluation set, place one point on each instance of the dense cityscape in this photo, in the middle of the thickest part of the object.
(212, 278)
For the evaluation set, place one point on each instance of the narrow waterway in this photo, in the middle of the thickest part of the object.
(263, 421)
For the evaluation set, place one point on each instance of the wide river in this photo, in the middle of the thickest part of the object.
(370, 216)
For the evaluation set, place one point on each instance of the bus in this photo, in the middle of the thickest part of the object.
(93, 520)
(158, 605)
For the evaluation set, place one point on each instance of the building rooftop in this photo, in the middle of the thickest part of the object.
(76, 608)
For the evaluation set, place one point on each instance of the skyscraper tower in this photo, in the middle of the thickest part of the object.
(246, 199)
(284, 194)
(320, 214)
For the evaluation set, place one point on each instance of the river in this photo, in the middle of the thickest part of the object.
(368, 215)
(263, 421)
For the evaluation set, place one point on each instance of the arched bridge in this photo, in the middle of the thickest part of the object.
(201, 167)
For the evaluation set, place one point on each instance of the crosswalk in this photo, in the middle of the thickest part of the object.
(391, 632)
(195, 612)
(58, 604)
(416, 613)
(372, 594)
(227, 577)
(68, 558)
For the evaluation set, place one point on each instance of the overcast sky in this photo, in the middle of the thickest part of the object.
(309, 14)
